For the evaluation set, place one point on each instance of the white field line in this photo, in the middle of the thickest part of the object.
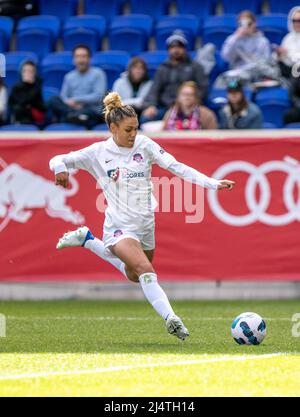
(240, 358)
(121, 318)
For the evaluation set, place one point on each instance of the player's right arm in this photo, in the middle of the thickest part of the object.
(81, 159)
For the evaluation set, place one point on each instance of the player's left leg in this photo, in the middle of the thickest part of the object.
(132, 254)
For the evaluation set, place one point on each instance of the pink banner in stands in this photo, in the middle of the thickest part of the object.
(251, 232)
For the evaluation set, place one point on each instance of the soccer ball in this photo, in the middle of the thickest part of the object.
(248, 329)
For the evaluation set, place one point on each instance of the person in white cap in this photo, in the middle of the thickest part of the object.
(122, 166)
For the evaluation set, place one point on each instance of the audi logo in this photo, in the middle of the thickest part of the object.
(257, 177)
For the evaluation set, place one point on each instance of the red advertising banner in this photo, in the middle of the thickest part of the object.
(251, 232)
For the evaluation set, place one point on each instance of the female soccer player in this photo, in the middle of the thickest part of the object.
(122, 166)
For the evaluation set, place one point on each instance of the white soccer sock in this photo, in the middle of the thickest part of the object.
(97, 246)
(155, 294)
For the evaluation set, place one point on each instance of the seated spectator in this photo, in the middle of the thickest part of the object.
(246, 44)
(18, 9)
(25, 101)
(170, 75)
(3, 101)
(239, 113)
(187, 113)
(293, 115)
(248, 53)
(134, 84)
(82, 92)
(288, 52)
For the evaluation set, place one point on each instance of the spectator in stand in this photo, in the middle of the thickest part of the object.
(82, 92)
(19, 8)
(25, 101)
(288, 53)
(3, 102)
(170, 75)
(188, 113)
(246, 45)
(134, 84)
(293, 115)
(239, 113)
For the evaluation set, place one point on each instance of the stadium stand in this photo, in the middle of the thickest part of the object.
(88, 30)
(54, 67)
(38, 34)
(107, 9)
(6, 28)
(154, 8)
(130, 33)
(166, 25)
(64, 127)
(112, 62)
(56, 8)
(217, 28)
(274, 26)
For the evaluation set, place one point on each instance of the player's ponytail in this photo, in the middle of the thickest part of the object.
(114, 110)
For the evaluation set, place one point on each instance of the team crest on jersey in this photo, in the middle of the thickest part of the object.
(138, 157)
(114, 174)
(118, 233)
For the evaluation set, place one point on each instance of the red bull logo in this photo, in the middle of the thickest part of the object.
(22, 191)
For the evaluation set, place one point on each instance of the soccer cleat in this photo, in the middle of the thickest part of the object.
(176, 327)
(74, 238)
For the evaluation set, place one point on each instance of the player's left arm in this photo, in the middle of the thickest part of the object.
(167, 161)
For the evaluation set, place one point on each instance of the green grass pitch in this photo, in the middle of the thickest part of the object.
(121, 348)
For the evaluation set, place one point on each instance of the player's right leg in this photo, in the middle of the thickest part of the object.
(83, 237)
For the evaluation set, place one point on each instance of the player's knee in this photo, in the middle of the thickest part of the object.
(143, 268)
(131, 275)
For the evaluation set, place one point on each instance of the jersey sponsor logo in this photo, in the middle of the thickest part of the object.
(138, 157)
(127, 174)
(114, 174)
(108, 160)
(18, 202)
(118, 233)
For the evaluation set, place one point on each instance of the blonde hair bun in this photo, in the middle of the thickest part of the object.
(112, 101)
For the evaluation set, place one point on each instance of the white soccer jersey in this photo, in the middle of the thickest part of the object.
(124, 174)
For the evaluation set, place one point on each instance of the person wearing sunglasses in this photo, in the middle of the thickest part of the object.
(288, 53)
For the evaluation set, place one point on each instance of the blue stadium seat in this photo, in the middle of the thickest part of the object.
(267, 125)
(112, 62)
(38, 34)
(49, 92)
(14, 62)
(188, 24)
(6, 28)
(153, 60)
(154, 8)
(292, 126)
(102, 127)
(63, 127)
(217, 28)
(282, 6)
(274, 26)
(54, 67)
(87, 29)
(236, 6)
(57, 8)
(130, 33)
(273, 102)
(220, 67)
(18, 128)
(202, 8)
(273, 93)
(107, 9)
